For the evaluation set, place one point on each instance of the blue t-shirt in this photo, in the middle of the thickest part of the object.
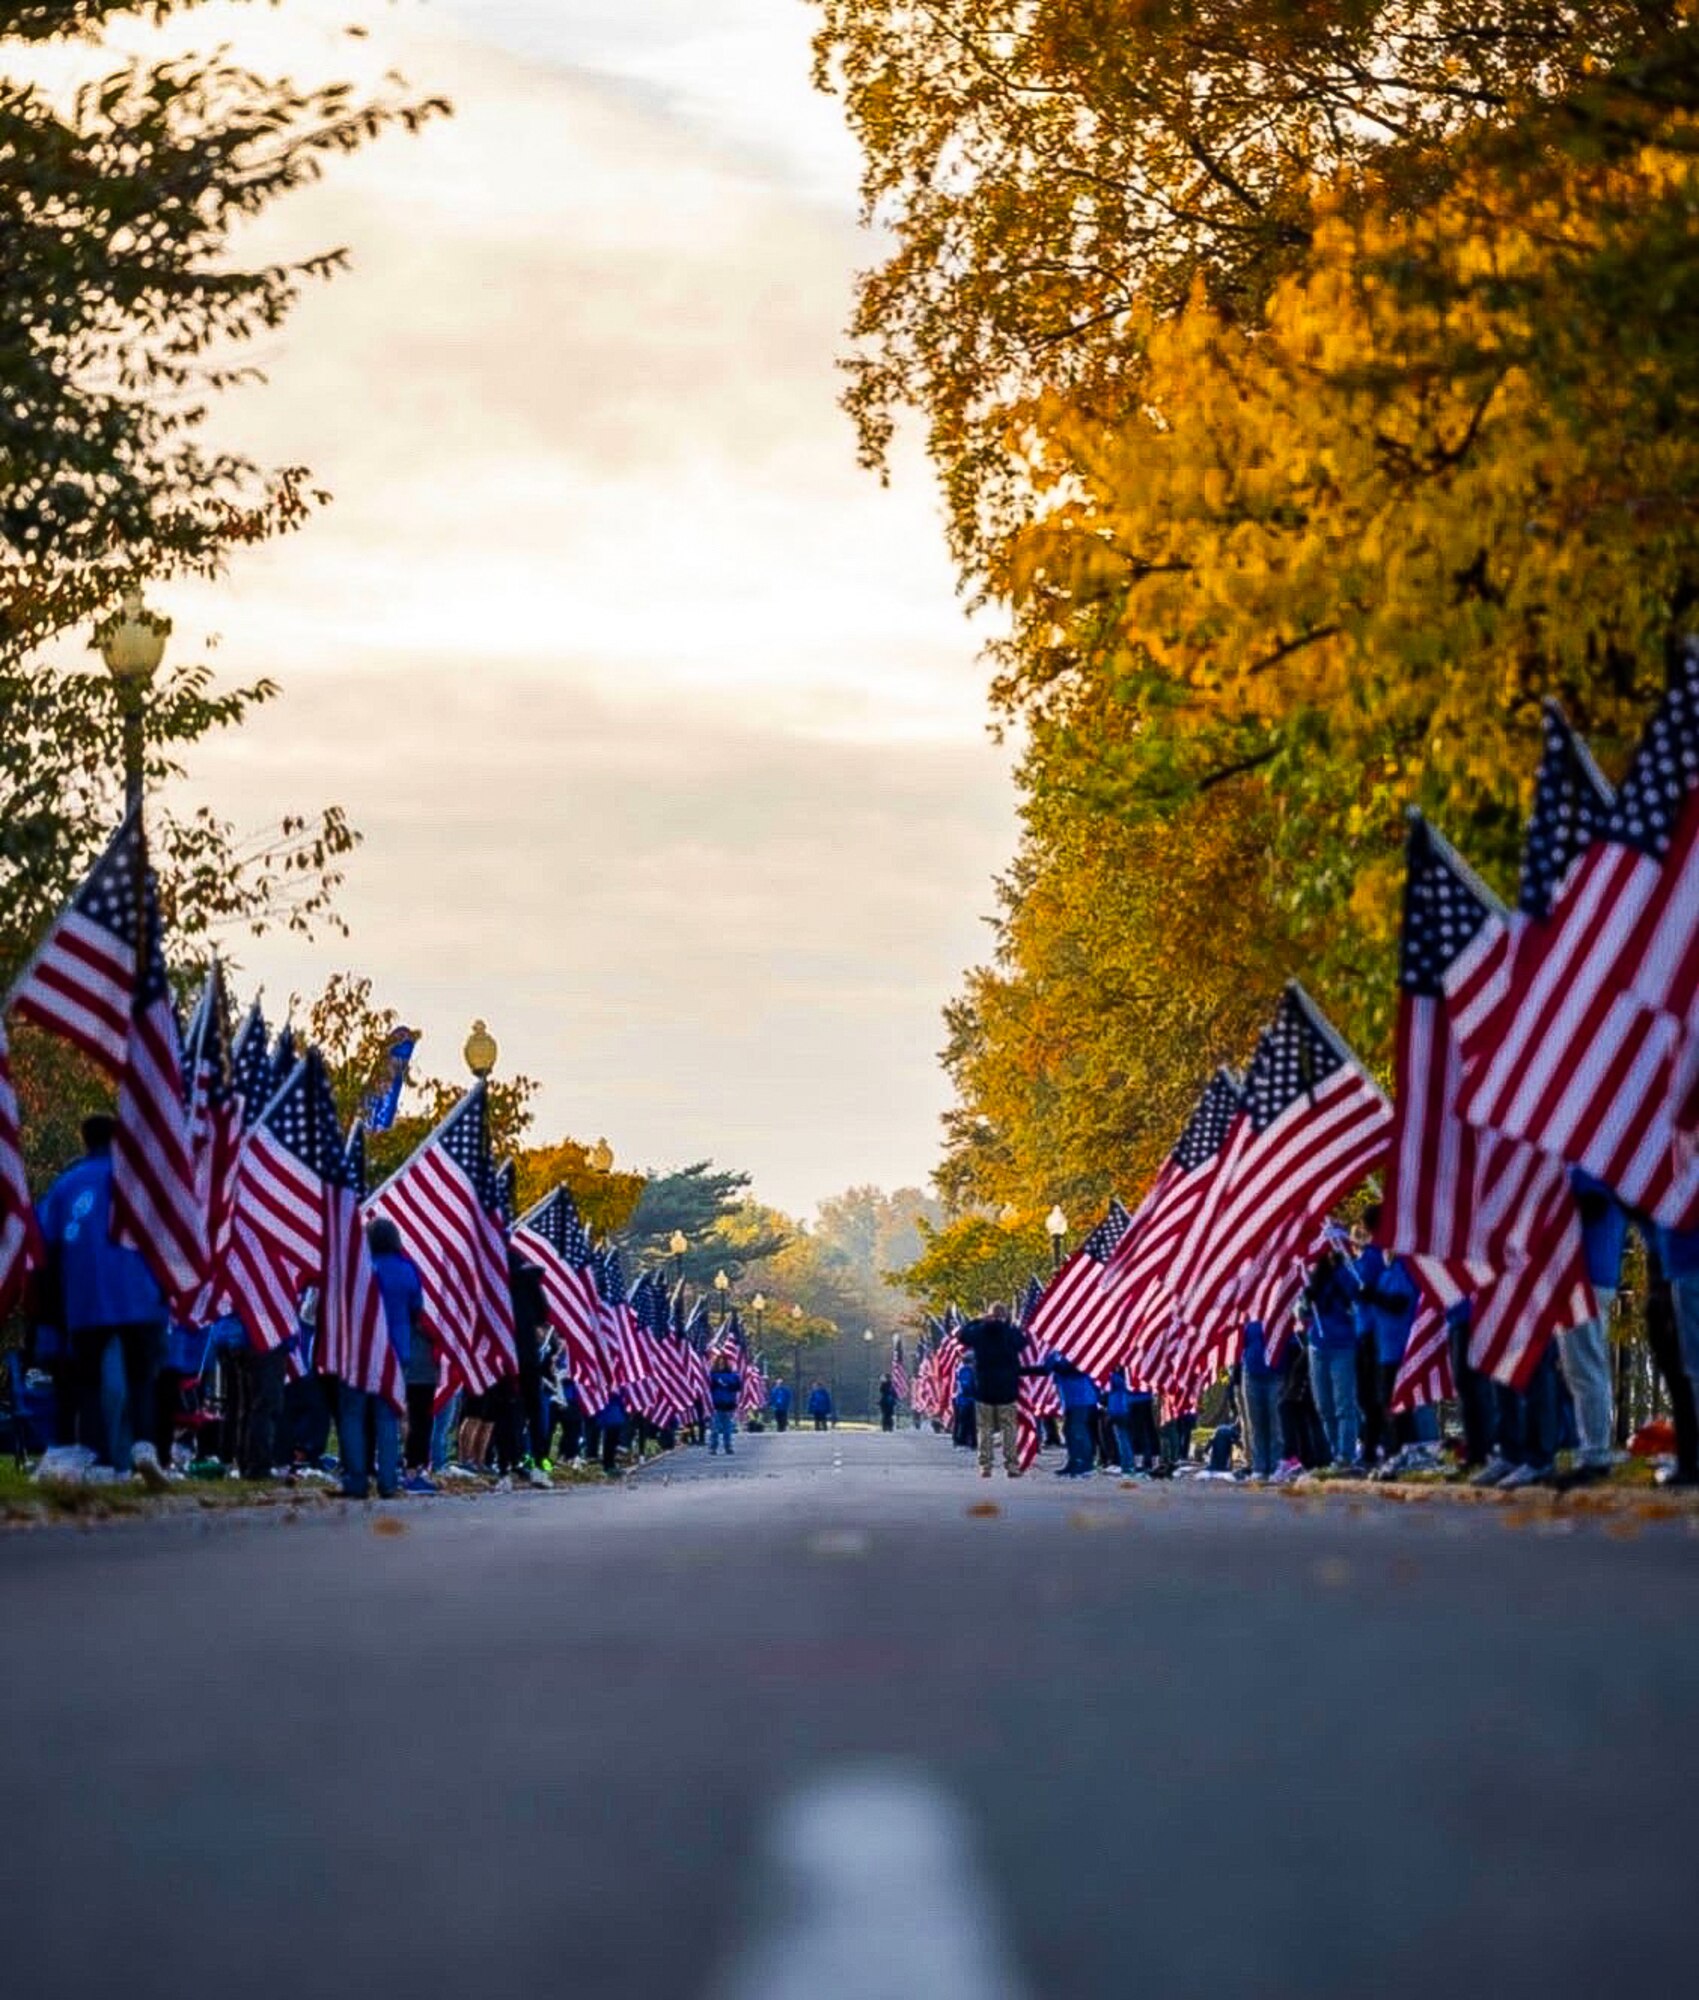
(1604, 1230)
(403, 1296)
(101, 1283)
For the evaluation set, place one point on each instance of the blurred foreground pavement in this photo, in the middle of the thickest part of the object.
(793, 1717)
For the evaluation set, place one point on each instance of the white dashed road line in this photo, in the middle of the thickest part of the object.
(870, 1890)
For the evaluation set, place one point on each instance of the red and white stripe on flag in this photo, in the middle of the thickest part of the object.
(1587, 1048)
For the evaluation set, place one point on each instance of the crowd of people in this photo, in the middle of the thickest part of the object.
(1319, 1396)
(113, 1388)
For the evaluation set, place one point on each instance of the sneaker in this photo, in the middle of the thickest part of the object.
(64, 1465)
(536, 1476)
(100, 1475)
(504, 1484)
(985, 1472)
(417, 1483)
(1588, 1473)
(1674, 1476)
(310, 1475)
(144, 1462)
(1495, 1472)
(1523, 1476)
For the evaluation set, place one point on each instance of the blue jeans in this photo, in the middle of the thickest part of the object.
(353, 1406)
(442, 1431)
(1082, 1448)
(1262, 1414)
(1333, 1383)
(1584, 1354)
(722, 1429)
(1123, 1429)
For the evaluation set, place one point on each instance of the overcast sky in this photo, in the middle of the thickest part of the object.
(661, 720)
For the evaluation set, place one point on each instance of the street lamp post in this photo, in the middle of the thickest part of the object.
(796, 1351)
(1057, 1225)
(758, 1306)
(678, 1244)
(867, 1345)
(132, 643)
(722, 1288)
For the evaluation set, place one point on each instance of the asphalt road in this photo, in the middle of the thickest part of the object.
(803, 1718)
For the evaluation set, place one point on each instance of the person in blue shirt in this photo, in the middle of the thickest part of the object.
(367, 1426)
(1079, 1399)
(1118, 1403)
(1329, 1299)
(779, 1398)
(403, 1293)
(1584, 1351)
(1386, 1305)
(725, 1386)
(820, 1405)
(108, 1308)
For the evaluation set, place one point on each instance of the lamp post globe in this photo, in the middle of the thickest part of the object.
(132, 643)
(602, 1157)
(1056, 1223)
(480, 1051)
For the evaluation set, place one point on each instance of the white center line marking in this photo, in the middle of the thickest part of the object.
(870, 1891)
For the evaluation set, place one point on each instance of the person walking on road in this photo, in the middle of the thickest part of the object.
(820, 1406)
(725, 1386)
(887, 1404)
(780, 1400)
(994, 1341)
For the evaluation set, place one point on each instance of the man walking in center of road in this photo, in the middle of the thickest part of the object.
(725, 1386)
(995, 1344)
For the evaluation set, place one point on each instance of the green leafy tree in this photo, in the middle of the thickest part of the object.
(127, 310)
(702, 1202)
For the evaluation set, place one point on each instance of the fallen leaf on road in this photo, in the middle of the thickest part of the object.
(387, 1524)
(984, 1510)
(1333, 1571)
(1084, 1519)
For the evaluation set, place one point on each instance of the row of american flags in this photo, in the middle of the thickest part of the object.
(236, 1180)
(1534, 1043)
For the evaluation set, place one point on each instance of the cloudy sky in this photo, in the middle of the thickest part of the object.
(661, 719)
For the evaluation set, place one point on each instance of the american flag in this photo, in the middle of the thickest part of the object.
(301, 1216)
(354, 1342)
(1604, 996)
(697, 1332)
(1471, 1210)
(1076, 1315)
(214, 1118)
(1425, 1373)
(1037, 1396)
(899, 1369)
(98, 981)
(620, 1332)
(444, 1203)
(1141, 1272)
(1314, 1124)
(20, 1240)
(556, 1241)
(675, 1385)
(247, 1277)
